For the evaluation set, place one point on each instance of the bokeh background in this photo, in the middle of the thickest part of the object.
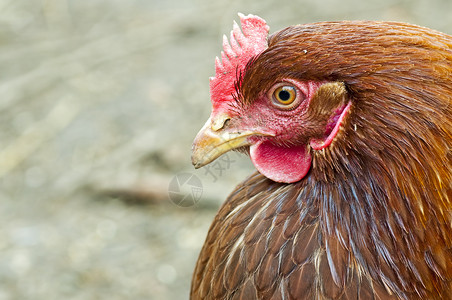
(99, 103)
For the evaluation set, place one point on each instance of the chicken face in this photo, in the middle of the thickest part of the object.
(281, 124)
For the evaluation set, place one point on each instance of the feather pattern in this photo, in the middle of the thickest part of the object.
(301, 263)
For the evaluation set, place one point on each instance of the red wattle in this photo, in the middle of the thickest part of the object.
(281, 164)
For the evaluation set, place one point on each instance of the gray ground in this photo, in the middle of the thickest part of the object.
(99, 103)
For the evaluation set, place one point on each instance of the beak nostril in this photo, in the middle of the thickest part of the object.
(220, 122)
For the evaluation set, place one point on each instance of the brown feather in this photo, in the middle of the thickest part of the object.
(276, 239)
(253, 256)
(247, 292)
(302, 282)
(329, 288)
(281, 292)
(338, 261)
(265, 276)
(287, 265)
(306, 242)
(234, 270)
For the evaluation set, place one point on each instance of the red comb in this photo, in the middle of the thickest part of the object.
(235, 56)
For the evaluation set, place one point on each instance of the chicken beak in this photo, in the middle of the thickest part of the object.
(213, 140)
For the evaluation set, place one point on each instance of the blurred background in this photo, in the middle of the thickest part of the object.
(99, 103)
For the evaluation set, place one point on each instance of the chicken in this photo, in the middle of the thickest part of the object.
(349, 127)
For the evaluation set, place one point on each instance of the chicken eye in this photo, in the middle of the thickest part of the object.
(284, 95)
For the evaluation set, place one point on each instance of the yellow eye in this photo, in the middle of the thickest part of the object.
(285, 95)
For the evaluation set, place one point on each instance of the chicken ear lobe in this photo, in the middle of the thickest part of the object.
(327, 111)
